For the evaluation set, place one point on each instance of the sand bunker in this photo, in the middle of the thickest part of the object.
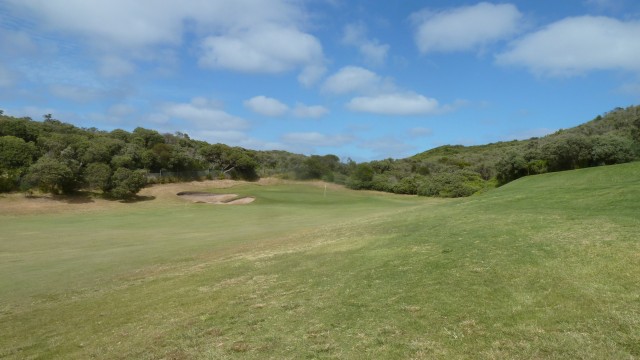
(218, 199)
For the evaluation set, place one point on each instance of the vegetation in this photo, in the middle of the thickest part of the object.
(60, 158)
(455, 171)
(544, 267)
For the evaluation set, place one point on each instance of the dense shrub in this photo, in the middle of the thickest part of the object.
(454, 184)
(409, 185)
(361, 177)
(126, 183)
(51, 175)
(98, 176)
(608, 150)
(383, 182)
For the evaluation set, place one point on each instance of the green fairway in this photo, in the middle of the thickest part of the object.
(545, 267)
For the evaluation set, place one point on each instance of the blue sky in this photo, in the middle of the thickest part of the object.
(361, 79)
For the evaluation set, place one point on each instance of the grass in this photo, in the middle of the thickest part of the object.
(545, 267)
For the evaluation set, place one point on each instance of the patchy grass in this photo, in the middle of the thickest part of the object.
(545, 267)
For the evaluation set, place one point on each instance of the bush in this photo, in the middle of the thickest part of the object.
(454, 184)
(383, 182)
(510, 167)
(361, 177)
(98, 176)
(51, 175)
(127, 183)
(409, 185)
(609, 149)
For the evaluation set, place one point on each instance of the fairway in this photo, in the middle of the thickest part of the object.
(545, 267)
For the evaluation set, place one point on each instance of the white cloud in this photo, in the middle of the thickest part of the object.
(7, 78)
(313, 111)
(224, 136)
(576, 45)
(113, 66)
(352, 79)
(394, 104)
(372, 50)
(75, 93)
(268, 48)
(311, 74)
(240, 35)
(316, 139)
(375, 54)
(16, 43)
(266, 106)
(631, 88)
(465, 28)
(133, 24)
(204, 114)
(235, 138)
(420, 132)
(354, 34)
(388, 147)
(382, 95)
(119, 110)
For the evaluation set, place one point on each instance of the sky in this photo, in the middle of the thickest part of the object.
(361, 79)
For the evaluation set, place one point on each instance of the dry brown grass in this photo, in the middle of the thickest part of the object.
(20, 204)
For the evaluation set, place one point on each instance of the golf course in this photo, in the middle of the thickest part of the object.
(547, 266)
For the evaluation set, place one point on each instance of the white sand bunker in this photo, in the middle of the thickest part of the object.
(218, 199)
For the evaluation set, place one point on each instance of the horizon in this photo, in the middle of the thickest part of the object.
(365, 80)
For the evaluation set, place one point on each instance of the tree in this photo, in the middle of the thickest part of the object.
(21, 128)
(227, 159)
(101, 149)
(510, 167)
(15, 157)
(611, 149)
(98, 176)
(15, 153)
(162, 154)
(318, 167)
(51, 175)
(459, 183)
(127, 183)
(567, 152)
(361, 177)
(147, 138)
(409, 184)
(384, 182)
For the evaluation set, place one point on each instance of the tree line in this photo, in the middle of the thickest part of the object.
(56, 157)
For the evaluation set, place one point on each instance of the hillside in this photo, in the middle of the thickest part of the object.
(544, 267)
(55, 157)
(456, 170)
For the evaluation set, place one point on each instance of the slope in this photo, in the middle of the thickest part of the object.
(545, 267)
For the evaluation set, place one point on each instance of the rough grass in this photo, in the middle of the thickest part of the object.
(545, 267)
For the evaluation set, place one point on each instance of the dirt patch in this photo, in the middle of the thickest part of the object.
(16, 204)
(218, 199)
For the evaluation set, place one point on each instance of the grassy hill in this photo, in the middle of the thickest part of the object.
(547, 266)
(456, 170)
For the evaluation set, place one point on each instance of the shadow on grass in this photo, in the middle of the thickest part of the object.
(137, 199)
(85, 197)
(77, 198)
